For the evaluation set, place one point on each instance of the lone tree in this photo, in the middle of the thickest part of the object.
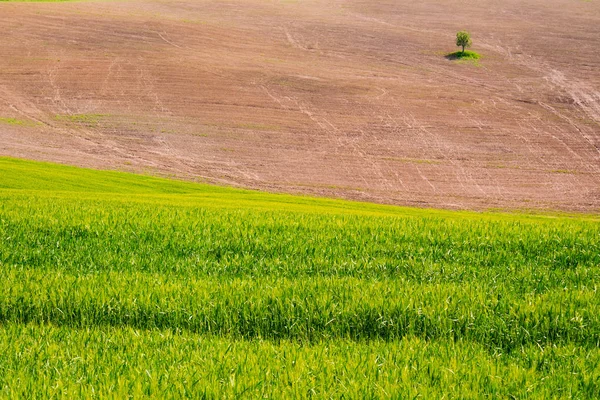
(463, 38)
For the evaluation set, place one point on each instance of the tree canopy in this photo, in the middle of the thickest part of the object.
(463, 38)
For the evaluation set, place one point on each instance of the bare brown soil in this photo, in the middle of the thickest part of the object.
(346, 98)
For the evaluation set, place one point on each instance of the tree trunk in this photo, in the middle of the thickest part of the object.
(463, 48)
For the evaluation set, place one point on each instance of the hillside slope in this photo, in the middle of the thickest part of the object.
(345, 98)
(117, 284)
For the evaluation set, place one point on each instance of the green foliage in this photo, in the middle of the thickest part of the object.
(17, 122)
(60, 362)
(89, 120)
(466, 55)
(463, 39)
(116, 285)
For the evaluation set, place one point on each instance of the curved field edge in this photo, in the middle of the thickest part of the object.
(42, 179)
(119, 277)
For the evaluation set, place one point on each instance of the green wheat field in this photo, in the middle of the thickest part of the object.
(117, 285)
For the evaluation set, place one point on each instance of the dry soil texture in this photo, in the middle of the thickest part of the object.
(348, 98)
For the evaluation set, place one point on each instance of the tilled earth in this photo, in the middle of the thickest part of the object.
(344, 98)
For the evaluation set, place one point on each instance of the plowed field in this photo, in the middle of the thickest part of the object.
(344, 98)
